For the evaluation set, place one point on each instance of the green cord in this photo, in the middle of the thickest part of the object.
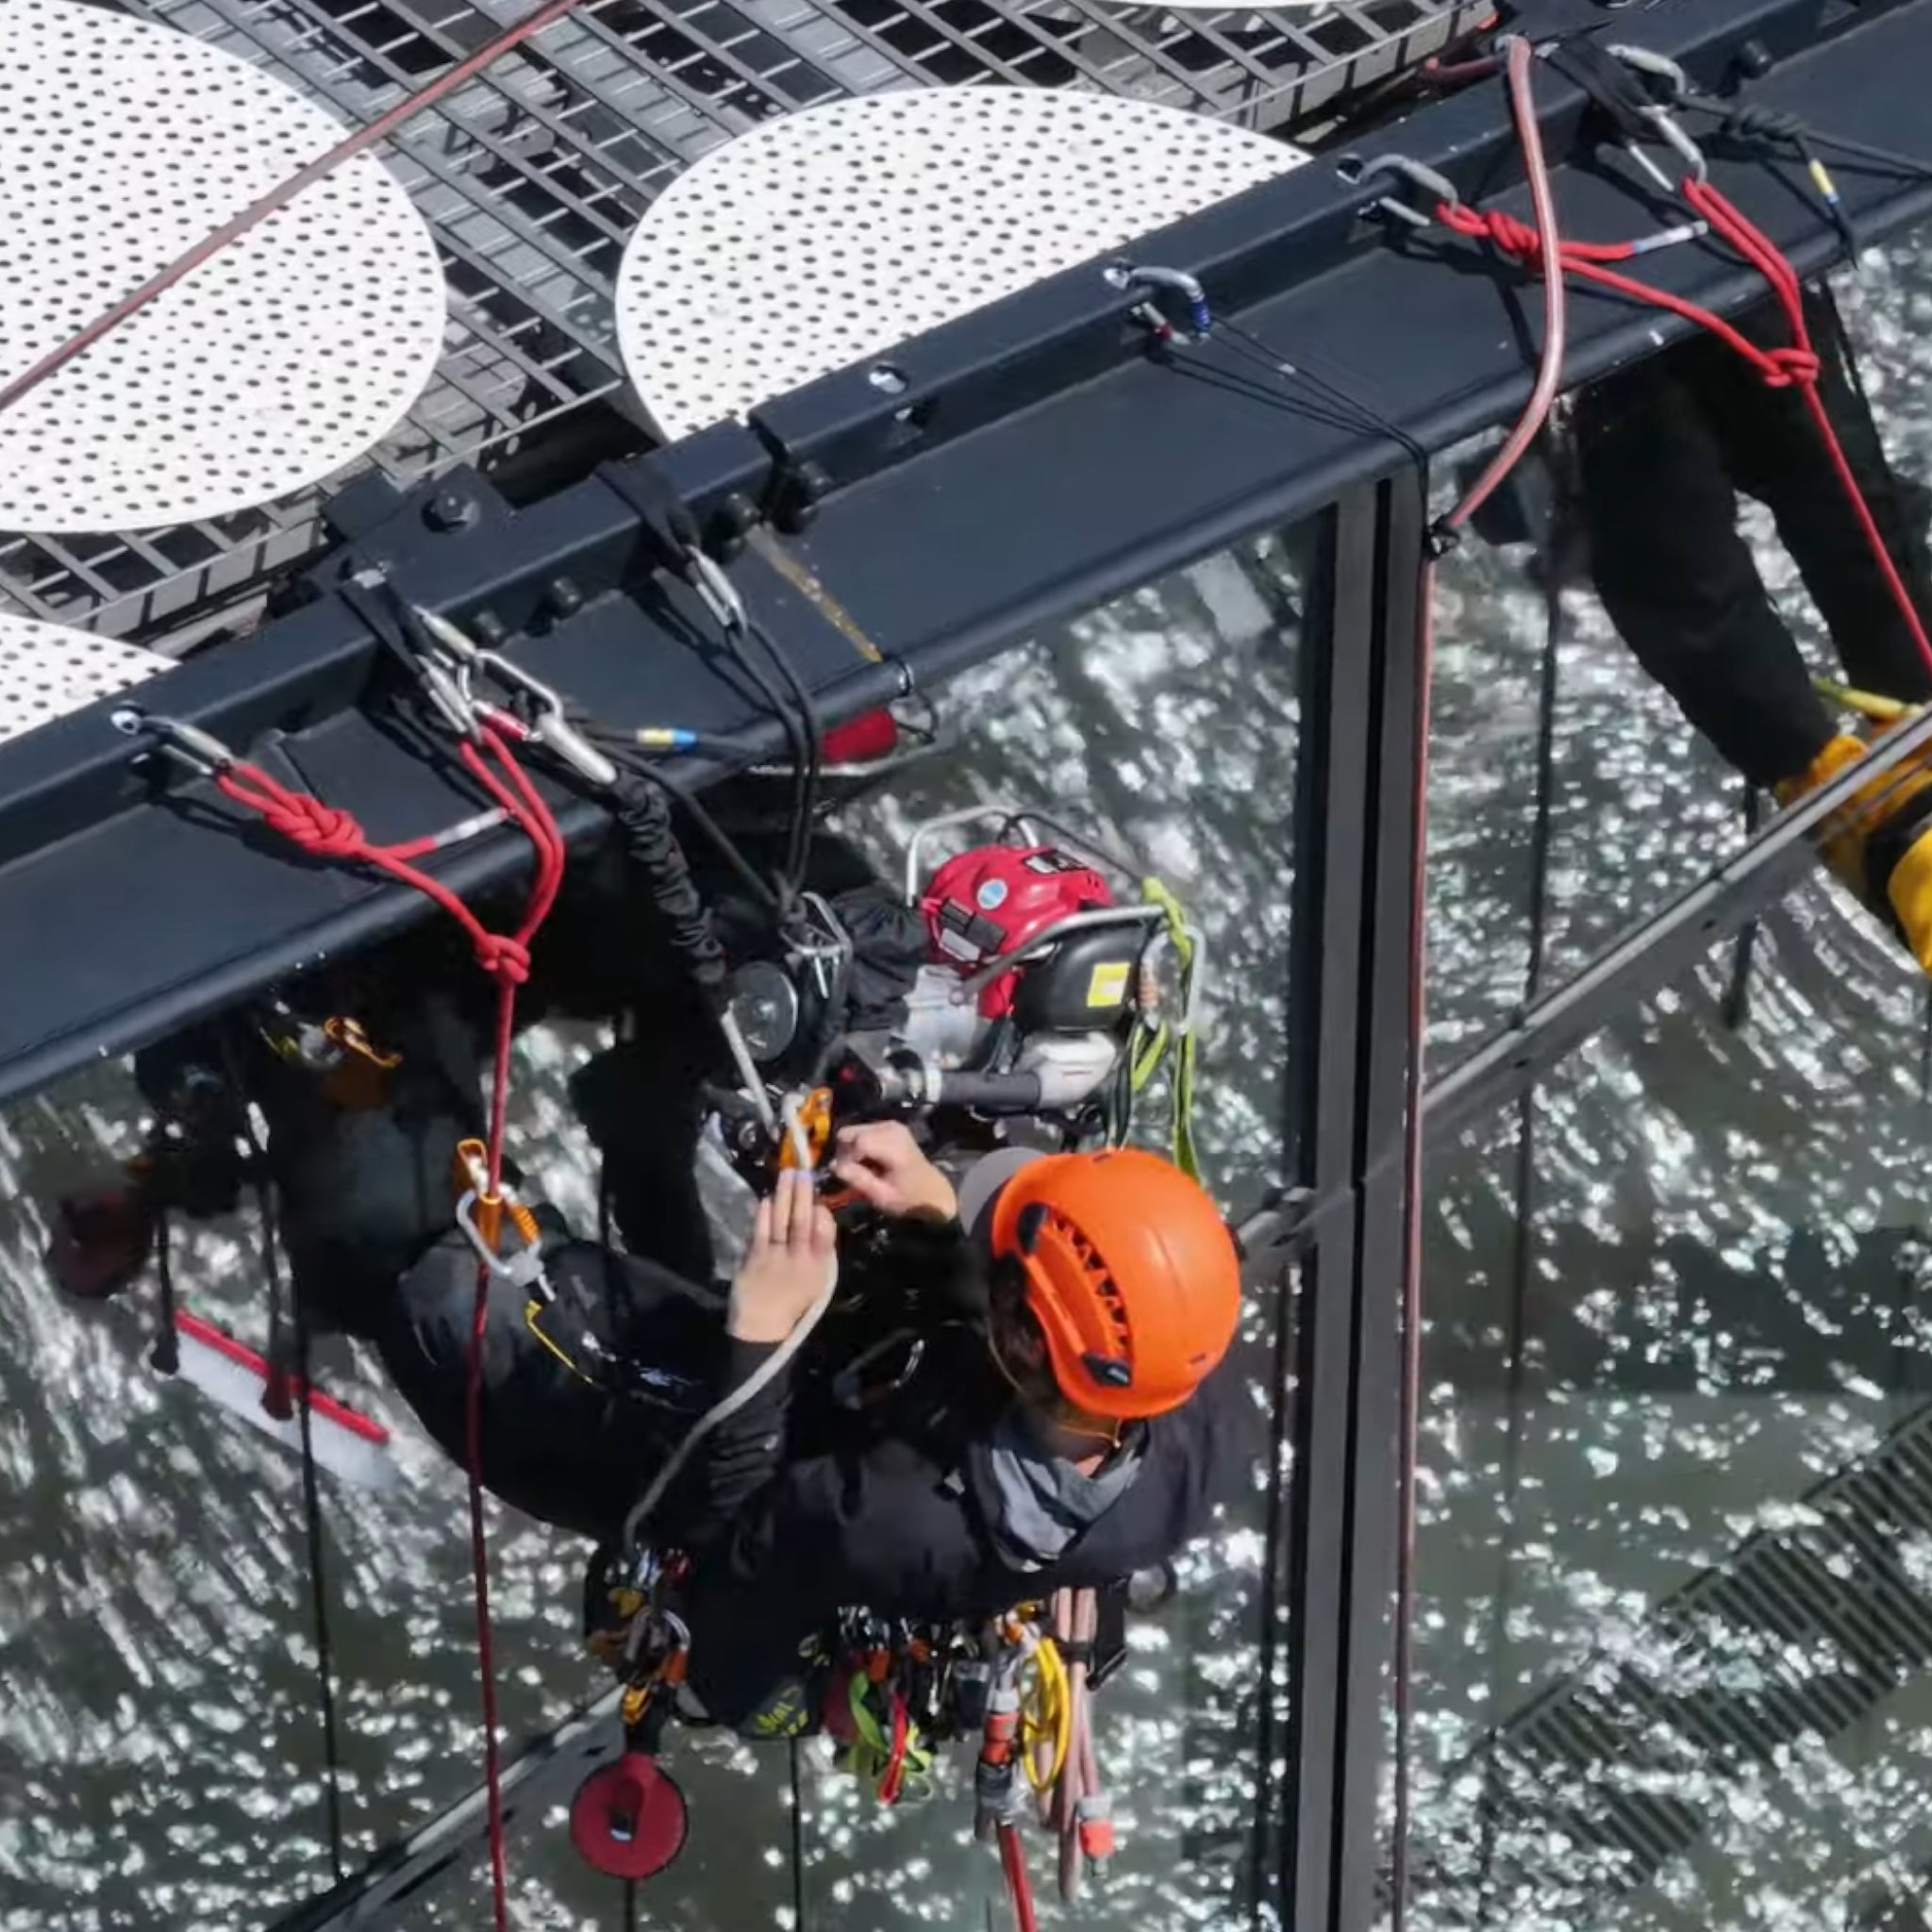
(1154, 1046)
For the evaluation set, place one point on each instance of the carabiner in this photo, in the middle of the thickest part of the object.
(1677, 85)
(201, 751)
(1418, 175)
(1127, 274)
(1654, 67)
(551, 728)
(720, 594)
(524, 1270)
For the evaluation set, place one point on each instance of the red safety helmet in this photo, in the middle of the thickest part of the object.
(1129, 1272)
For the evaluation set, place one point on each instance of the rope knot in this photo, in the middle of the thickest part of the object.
(507, 959)
(1791, 368)
(317, 828)
(1502, 230)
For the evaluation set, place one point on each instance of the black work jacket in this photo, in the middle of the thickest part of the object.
(895, 1523)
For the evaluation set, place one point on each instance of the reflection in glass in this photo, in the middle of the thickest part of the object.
(160, 1701)
(1676, 1500)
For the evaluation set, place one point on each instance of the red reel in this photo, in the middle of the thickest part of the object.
(628, 1820)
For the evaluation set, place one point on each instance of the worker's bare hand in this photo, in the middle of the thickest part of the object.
(789, 1263)
(882, 1163)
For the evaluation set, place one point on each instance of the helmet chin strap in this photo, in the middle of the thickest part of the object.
(1055, 1433)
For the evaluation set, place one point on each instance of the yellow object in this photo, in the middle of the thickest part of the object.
(1046, 1712)
(472, 1176)
(1108, 985)
(1867, 704)
(1907, 888)
(815, 1121)
(1154, 1044)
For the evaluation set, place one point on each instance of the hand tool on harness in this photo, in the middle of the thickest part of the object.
(882, 1698)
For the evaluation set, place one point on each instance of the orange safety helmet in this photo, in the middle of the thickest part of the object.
(1130, 1272)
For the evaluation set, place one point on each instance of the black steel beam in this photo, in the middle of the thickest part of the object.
(944, 545)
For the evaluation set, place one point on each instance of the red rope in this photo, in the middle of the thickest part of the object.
(1019, 1887)
(1796, 366)
(324, 831)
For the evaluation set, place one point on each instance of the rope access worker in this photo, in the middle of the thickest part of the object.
(1088, 1436)
(1064, 1417)
(1662, 450)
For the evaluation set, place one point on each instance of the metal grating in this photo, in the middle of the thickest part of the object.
(533, 177)
(1599, 1784)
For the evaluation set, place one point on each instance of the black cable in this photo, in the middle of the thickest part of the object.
(627, 752)
(632, 1920)
(318, 1580)
(311, 1482)
(799, 737)
(797, 1845)
(805, 800)
(1354, 413)
(1748, 121)
(1737, 1001)
(164, 1355)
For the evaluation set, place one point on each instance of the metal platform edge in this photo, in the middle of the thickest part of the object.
(1039, 413)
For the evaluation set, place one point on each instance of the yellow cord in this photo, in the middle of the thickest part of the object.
(1869, 704)
(1046, 1710)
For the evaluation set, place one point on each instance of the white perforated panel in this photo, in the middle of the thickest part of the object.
(47, 669)
(826, 238)
(285, 357)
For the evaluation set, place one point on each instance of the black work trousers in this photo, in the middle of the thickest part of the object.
(1663, 451)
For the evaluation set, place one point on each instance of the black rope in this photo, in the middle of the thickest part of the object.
(805, 803)
(1331, 404)
(631, 1918)
(797, 1845)
(164, 1355)
(1770, 125)
(1737, 1003)
(312, 1481)
(1523, 1255)
(318, 1584)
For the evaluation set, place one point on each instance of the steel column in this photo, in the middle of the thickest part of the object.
(1349, 1003)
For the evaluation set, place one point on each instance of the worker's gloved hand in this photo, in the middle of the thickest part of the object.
(885, 1168)
(790, 1262)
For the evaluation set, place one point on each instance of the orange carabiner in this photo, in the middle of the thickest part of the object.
(472, 1176)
